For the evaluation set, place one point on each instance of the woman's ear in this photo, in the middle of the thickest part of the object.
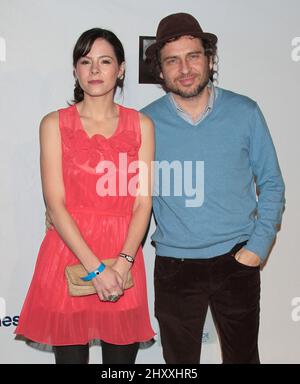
(121, 71)
(74, 74)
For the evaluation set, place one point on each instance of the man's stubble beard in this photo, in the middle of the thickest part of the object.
(190, 94)
(169, 87)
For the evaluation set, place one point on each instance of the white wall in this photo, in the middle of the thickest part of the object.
(255, 49)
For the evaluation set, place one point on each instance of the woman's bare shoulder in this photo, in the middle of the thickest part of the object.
(50, 122)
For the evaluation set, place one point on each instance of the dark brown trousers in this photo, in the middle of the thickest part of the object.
(184, 288)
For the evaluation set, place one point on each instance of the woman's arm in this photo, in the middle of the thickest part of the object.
(143, 201)
(108, 282)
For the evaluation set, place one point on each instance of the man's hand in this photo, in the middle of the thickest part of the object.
(48, 222)
(248, 258)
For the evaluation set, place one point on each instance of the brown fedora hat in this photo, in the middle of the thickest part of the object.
(176, 25)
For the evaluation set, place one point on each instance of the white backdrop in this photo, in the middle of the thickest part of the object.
(259, 50)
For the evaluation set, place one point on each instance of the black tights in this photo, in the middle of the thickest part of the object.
(111, 354)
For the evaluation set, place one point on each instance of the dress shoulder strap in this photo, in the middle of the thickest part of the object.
(132, 123)
(67, 122)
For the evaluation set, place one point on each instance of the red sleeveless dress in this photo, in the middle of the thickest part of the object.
(49, 315)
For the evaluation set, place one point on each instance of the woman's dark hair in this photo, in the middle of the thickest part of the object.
(210, 50)
(83, 47)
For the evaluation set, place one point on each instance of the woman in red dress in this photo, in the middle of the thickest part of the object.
(100, 204)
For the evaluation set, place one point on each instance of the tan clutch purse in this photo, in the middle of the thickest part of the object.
(78, 287)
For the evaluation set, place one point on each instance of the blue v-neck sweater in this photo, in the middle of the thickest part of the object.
(206, 179)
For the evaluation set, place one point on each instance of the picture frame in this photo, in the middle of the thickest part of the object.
(145, 75)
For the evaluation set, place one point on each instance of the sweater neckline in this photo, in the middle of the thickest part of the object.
(212, 112)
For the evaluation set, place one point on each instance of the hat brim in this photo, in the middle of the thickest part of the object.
(150, 51)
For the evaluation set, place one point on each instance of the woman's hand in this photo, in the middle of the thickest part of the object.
(122, 267)
(108, 283)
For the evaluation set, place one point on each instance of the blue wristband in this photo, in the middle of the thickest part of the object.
(95, 273)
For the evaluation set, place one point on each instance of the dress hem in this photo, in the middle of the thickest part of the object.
(43, 346)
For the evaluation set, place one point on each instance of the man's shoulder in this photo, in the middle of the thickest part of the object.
(155, 106)
(236, 99)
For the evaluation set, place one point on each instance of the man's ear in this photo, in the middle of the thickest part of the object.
(161, 75)
(211, 65)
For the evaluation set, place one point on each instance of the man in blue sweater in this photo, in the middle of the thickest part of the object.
(219, 197)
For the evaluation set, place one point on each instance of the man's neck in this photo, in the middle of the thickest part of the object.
(193, 106)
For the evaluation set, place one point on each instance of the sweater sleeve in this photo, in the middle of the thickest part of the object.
(270, 185)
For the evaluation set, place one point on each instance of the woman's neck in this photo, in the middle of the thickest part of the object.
(98, 108)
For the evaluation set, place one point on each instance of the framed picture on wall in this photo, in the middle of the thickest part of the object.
(145, 75)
